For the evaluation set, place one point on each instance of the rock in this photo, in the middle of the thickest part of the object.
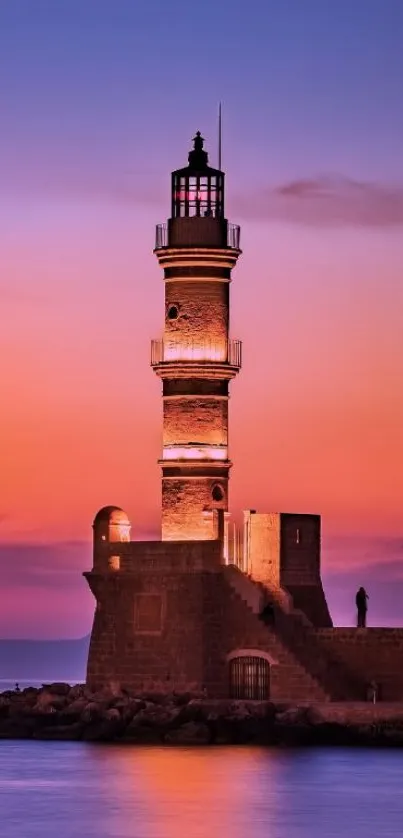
(58, 688)
(112, 715)
(77, 692)
(76, 707)
(156, 715)
(60, 732)
(191, 733)
(91, 711)
(292, 716)
(16, 729)
(58, 711)
(5, 704)
(48, 701)
(128, 708)
(142, 735)
(103, 730)
(29, 692)
(156, 698)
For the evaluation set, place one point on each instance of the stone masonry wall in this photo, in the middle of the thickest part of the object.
(203, 311)
(263, 547)
(183, 502)
(138, 651)
(300, 549)
(171, 556)
(174, 631)
(203, 421)
(371, 654)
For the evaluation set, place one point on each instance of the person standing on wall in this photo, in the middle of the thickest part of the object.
(361, 598)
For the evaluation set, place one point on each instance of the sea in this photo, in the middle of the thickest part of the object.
(88, 790)
(93, 790)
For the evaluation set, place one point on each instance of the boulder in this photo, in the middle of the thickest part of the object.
(142, 735)
(156, 715)
(129, 707)
(103, 729)
(60, 732)
(5, 704)
(58, 688)
(77, 692)
(47, 701)
(191, 733)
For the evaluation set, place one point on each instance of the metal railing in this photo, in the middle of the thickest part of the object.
(233, 236)
(161, 235)
(223, 352)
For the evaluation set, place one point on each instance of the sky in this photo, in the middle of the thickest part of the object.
(99, 100)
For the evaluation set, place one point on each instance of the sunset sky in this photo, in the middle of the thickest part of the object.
(99, 100)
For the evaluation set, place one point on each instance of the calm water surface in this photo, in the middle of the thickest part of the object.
(77, 790)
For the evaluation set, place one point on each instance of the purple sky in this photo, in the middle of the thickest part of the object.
(99, 100)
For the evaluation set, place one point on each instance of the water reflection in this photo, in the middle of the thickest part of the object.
(200, 792)
(75, 790)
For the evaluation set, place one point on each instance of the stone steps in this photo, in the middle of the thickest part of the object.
(294, 681)
(297, 636)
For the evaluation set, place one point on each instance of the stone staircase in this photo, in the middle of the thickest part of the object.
(298, 637)
(296, 682)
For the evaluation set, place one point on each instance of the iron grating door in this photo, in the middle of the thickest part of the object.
(250, 678)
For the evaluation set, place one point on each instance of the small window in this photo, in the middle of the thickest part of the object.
(173, 312)
(217, 493)
(114, 562)
(249, 678)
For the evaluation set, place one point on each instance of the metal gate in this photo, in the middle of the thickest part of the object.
(249, 678)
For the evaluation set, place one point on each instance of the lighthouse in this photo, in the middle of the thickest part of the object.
(196, 358)
(185, 614)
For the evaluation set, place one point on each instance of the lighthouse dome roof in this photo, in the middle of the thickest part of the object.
(111, 515)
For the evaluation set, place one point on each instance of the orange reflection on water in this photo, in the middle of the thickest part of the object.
(191, 792)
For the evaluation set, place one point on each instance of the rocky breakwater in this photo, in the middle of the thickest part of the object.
(61, 712)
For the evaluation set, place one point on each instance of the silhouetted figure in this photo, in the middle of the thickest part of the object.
(267, 614)
(17, 688)
(361, 598)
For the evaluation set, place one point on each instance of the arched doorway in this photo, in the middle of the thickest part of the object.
(249, 677)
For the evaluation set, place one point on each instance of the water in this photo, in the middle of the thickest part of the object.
(78, 790)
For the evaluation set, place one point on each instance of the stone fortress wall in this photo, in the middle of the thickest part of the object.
(171, 616)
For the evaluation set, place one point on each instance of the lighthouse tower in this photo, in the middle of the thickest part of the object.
(196, 358)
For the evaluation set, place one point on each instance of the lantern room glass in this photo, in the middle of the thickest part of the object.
(198, 195)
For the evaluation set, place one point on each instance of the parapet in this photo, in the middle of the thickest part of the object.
(159, 557)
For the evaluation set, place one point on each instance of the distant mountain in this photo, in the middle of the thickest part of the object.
(47, 660)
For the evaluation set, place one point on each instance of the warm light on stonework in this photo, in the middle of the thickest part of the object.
(114, 563)
(192, 351)
(195, 452)
(119, 532)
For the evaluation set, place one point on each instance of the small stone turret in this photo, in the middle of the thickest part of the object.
(111, 524)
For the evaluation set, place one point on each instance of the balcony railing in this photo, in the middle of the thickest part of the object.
(233, 236)
(161, 235)
(224, 352)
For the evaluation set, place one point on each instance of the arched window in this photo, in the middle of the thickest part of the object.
(249, 678)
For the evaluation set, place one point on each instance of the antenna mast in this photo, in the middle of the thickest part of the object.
(219, 136)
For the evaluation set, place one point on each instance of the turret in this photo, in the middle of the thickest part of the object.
(111, 525)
